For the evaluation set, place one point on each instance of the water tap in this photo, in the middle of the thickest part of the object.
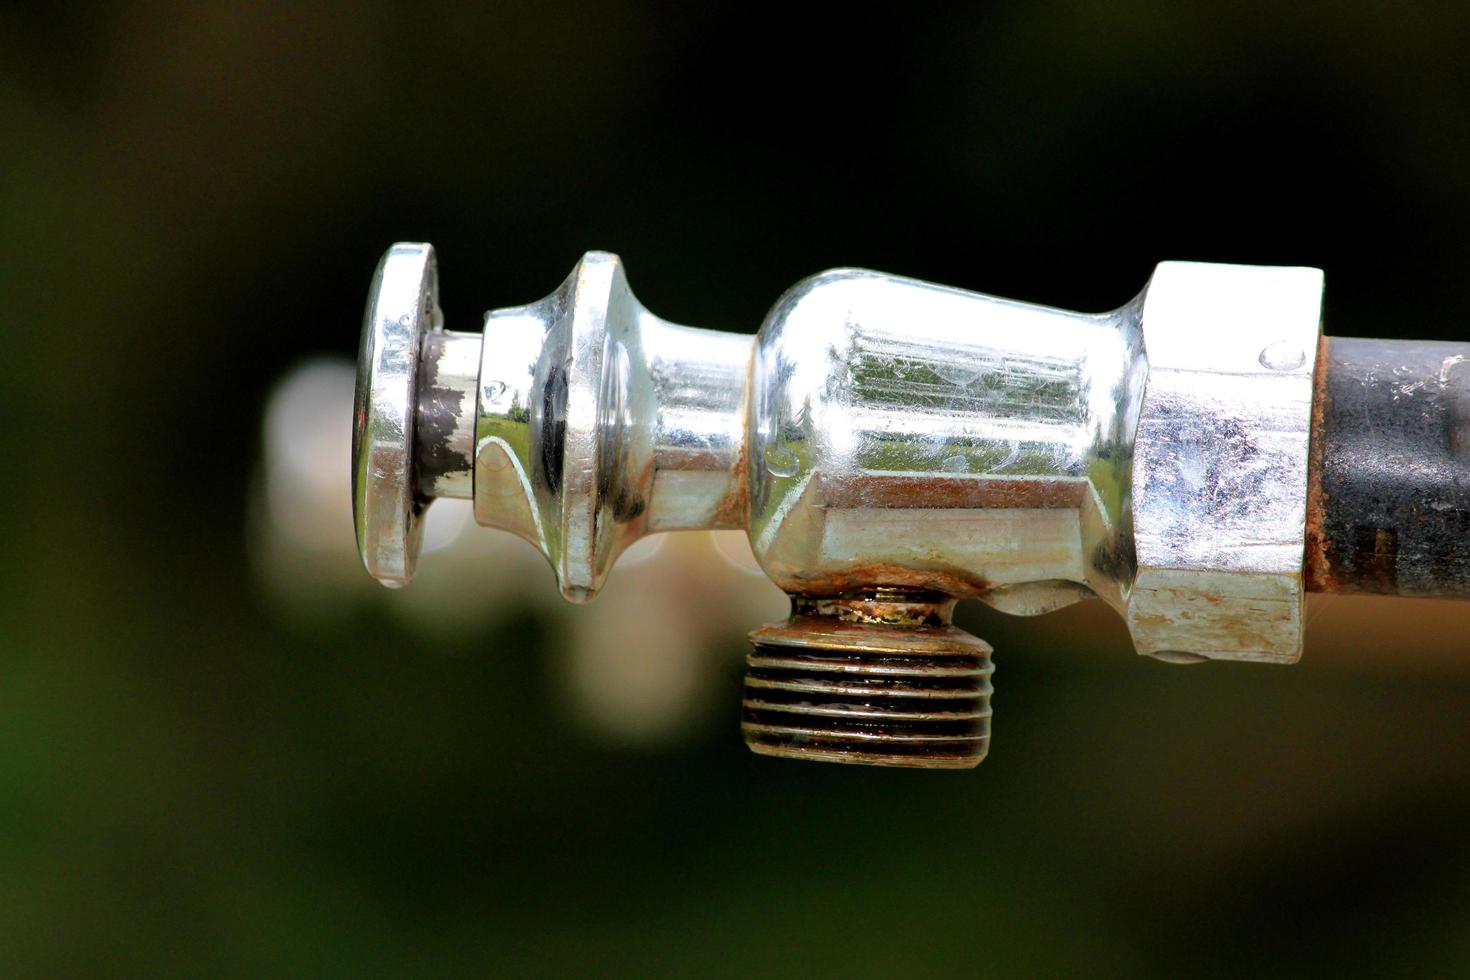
(1198, 459)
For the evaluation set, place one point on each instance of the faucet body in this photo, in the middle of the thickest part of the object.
(890, 446)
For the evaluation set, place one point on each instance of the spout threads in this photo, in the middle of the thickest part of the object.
(870, 693)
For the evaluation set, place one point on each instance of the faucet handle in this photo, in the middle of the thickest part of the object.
(580, 421)
(403, 307)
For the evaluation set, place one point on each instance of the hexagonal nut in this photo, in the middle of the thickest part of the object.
(1220, 461)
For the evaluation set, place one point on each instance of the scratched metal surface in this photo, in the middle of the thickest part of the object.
(1220, 476)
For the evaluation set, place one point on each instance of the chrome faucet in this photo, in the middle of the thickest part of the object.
(892, 446)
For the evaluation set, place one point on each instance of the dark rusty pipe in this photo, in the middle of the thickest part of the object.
(1388, 507)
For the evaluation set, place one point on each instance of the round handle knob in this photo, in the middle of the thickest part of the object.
(403, 306)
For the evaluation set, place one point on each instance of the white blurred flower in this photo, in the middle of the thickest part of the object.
(646, 654)
(639, 660)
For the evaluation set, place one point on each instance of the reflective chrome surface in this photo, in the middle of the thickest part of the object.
(883, 433)
(913, 436)
(598, 422)
(403, 306)
(444, 423)
(1220, 476)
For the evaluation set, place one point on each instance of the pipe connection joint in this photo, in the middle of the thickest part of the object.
(1220, 462)
(890, 446)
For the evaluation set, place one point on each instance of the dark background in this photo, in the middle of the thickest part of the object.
(192, 199)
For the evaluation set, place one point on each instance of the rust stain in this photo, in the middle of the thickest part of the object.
(881, 607)
(953, 493)
(867, 577)
(732, 510)
(1318, 571)
(829, 632)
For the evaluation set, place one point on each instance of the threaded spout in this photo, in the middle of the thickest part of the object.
(883, 681)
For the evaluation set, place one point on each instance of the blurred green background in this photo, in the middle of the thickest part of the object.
(197, 778)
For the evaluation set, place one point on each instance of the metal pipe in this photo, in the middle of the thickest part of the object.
(1389, 489)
